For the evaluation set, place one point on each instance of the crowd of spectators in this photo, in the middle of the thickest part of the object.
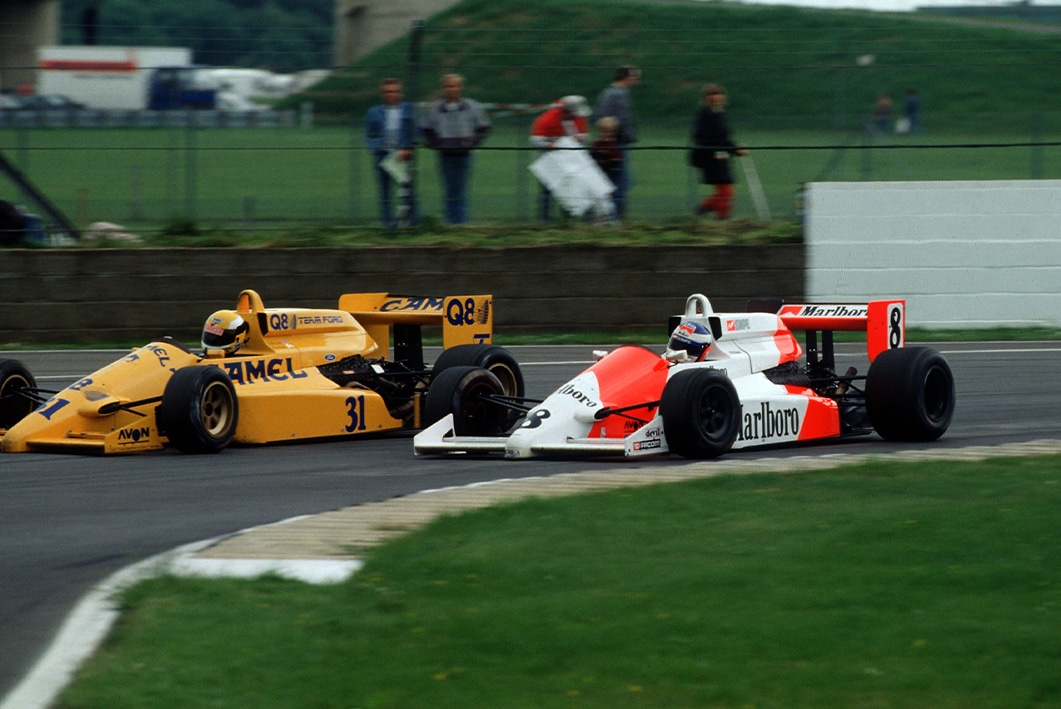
(454, 126)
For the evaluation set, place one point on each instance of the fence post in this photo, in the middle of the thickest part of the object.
(1036, 157)
(137, 194)
(23, 149)
(172, 170)
(412, 80)
(190, 169)
(521, 177)
(867, 152)
(355, 169)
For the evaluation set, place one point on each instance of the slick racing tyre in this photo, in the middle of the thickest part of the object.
(199, 410)
(910, 394)
(494, 358)
(701, 413)
(464, 392)
(13, 405)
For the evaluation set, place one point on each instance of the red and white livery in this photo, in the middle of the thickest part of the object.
(725, 380)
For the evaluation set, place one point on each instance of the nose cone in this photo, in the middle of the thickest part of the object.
(566, 413)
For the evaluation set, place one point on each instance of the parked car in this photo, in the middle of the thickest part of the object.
(46, 102)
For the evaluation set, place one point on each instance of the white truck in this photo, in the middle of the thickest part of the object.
(113, 78)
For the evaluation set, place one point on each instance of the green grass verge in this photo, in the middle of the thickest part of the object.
(882, 585)
(315, 187)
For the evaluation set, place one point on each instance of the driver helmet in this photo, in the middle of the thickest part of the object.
(692, 338)
(225, 330)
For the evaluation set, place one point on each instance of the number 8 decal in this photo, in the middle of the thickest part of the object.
(896, 326)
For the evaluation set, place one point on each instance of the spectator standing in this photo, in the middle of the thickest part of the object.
(390, 133)
(712, 151)
(455, 126)
(615, 101)
(912, 111)
(605, 149)
(567, 118)
(882, 112)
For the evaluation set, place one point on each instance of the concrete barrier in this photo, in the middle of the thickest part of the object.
(963, 254)
(133, 295)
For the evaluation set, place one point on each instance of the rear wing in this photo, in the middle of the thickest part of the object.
(464, 319)
(883, 321)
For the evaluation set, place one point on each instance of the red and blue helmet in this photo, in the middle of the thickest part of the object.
(692, 337)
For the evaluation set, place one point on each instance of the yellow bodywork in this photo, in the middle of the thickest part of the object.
(280, 392)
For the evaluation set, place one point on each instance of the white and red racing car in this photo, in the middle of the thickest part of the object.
(726, 380)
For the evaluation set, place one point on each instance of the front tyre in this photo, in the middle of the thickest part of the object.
(465, 392)
(910, 394)
(700, 412)
(14, 405)
(199, 411)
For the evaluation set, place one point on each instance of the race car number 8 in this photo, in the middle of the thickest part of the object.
(895, 327)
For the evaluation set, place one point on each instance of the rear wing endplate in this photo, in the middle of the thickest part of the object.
(883, 321)
(464, 319)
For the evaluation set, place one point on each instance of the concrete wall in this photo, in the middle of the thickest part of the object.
(24, 26)
(363, 26)
(963, 254)
(132, 295)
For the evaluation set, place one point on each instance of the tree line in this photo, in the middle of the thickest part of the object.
(282, 35)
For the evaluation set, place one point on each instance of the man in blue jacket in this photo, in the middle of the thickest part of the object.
(390, 133)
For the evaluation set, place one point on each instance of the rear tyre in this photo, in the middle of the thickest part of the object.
(14, 406)
(701, 413)
(199, 410)
(494, 358)
(461, 391)
(910, 394)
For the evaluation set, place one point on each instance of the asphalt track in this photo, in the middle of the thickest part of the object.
(68, 522)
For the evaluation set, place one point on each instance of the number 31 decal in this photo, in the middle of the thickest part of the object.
(355, 409)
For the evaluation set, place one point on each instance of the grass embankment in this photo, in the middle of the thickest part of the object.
(879, 585)
(783, 66)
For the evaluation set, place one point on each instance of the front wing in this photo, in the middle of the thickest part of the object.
(439, 438)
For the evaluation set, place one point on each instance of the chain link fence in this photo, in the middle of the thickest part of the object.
(261, 178)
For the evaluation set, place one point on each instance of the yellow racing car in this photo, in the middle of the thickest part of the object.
(265, 375)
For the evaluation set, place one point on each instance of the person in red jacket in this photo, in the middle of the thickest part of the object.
(567, 118)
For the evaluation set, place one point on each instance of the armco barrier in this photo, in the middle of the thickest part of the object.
(131, 295)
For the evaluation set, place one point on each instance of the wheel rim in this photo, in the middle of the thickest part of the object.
(507, 377)
(479, 414)
(216, 409)
(715, 413)
(936, 393)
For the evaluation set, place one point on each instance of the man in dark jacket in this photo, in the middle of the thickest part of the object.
(615, 102)
(713, 148)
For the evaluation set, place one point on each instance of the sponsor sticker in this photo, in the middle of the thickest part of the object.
(250, 371)
(833, 311)
(767, 422)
